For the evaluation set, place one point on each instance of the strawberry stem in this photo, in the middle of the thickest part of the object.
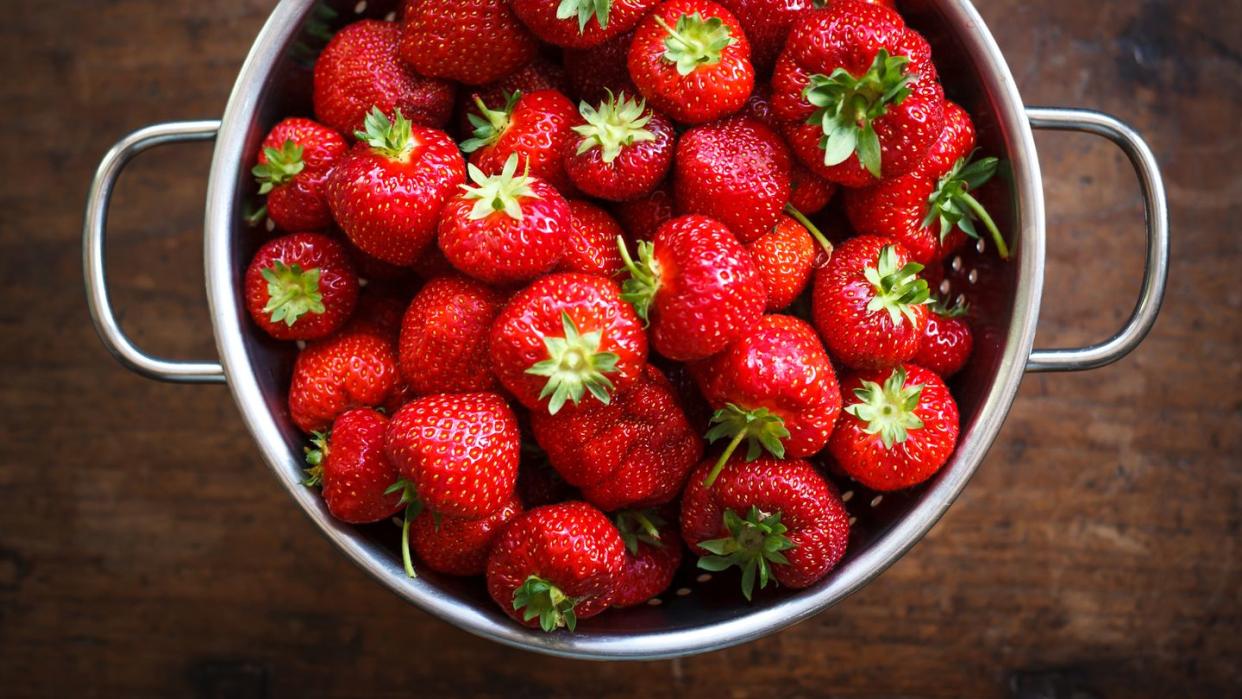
(489, 127)
(540, 598)
(984, 217)
(413, 506)
(644, 282)
(761, 428)
(753, 544)
(811, 228)
(279, 167)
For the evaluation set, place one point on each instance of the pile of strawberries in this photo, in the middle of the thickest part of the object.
(521, 316)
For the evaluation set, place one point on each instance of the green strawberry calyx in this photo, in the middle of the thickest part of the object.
(846, 106)
(413, 507)
(315, 455)
(754, 544)
(952, 204)
(575, 366)
(957, 310)
(282, 165)
(695, 41)
(639, 526)
(489, 124)
(539, 598)
(584, 10)
(760, 428)
(897, 289)
(617, 123)
(888, 410)
(390, 138)
(644, 283)
(499, 193)
(292, 292)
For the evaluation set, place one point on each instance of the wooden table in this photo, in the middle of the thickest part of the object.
(146, 551)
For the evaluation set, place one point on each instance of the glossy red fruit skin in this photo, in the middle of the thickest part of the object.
(785, 258)
(498, 249)
(572, 545)
(767, 24)
(712, 90)
(637, 171)
(359, 69)
(471, 41)
(593, 303)
(849, 34)
(946, 345)
(540, 17)
(736, 171)
(596, 71)
(300, 204)
(592, 247)
(642, 217)
(539, 74)
(351, 369)
(458, 546)
(854, 336)
(338, 284)
(389, 207)
(863, 456)
(633, 452)
(650, 571)
(460, 451)
(356, 472)
(817, 522)
(443, 345)
(809, 193)
(539, 128)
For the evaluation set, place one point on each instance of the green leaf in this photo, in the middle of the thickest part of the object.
(575, 366)
(695, 41)
(617, 124)
(503, 192)
(291, 292)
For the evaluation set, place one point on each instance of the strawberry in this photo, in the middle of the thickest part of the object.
(293, 163)
(869, 304)
(443, 345)
(386, 194)
(556, 564)
(301, 287)
(653, 553)
(595, 72)
(470, 41)
(947, 341)
(352, 369)
(899, 426)
(773, 519)
(359, 71)
(592, 247)
(624, 151)
(633, 452)
(580, 23)
(458, 546)
(379, 310)
(539, 74)
(534, 125)
(930, 210)
(766, 23)
(809, 193)
(691, 60)
(736, 171)
(697, 285)
(564, 336)
(350, 464)
(505, 227)
(785, 258)
(642, 217)
(858, 93)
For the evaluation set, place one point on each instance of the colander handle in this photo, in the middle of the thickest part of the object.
(97, 201)
(1156, 207)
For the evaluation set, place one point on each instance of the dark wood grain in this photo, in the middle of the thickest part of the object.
(145, 550)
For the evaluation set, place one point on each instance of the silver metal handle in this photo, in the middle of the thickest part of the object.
(121, 347)
(1156, 207)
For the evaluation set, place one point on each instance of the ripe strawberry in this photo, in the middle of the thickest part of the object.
(691, 60)
(470, 41)
(947, 341)
(556, 564)
(809, 193)
(785, 258)
(592, 247)
(642, 217)
(443, 346)
(359, 71)
(633, 452)
(772, 519)
(293, 163)
(566, 335)
(534, 125)
(858, 93)
(698, 287)
(736, 171)
(458, 546)
(505, 227)
(386, 194)
(352, 369)
(767, 24)
(350, 465)
(624, 151)
(596, 72)
(580, 23)
(898, 428)
(539, 74)
(301, 287)
(653, 553)
(869, 303)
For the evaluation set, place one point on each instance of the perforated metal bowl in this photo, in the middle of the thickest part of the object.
(698, 614)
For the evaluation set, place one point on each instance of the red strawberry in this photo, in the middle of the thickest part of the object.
(350, 465)
(505, 227)
(301, 287)
(458, 546)
(736, 171)
(294, 161)
(869, 303)
(556, 564)
(691, 60)
(444, 337)
(539, 74)
(432, 263)
(359, 71)
(766, 23)
(947, 341)
(898, 428)
(642, 217)
(653, 554)
(580, 23)
(534, 125)
(351, 369)
(785, 258)
(697, 285)
(595, 72)
(470, 41)
(809, 193)
(633, 452)
(624, 151)
(564, 336)
(387, 193)
(772, 519)
(592, 245)
(379, 310)
(858, 93)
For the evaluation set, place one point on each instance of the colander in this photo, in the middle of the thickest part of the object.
(698, 613)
